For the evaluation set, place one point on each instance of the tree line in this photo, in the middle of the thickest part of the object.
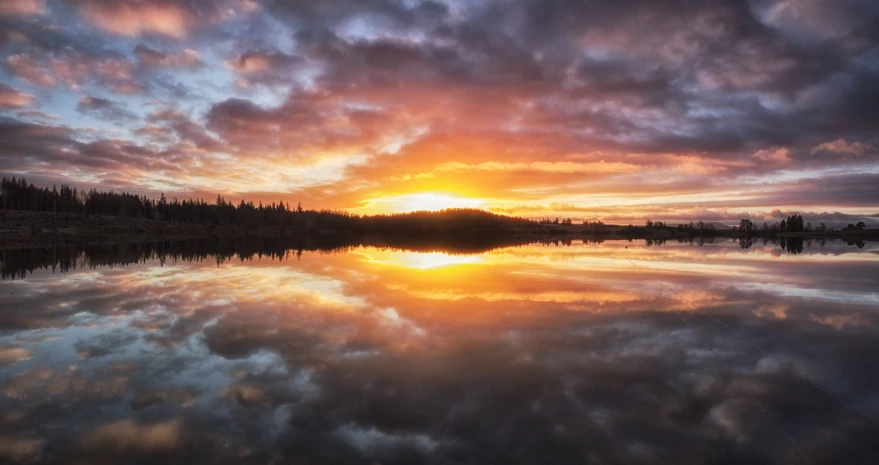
(18, 194)
(794, 223)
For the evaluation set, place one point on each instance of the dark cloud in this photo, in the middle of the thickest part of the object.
(297, 125)
(377, 13)
(106, 109)
(103, 345)
(22, 143)
(856, 190)
(264, 66)
(185, 129)
(162, 59)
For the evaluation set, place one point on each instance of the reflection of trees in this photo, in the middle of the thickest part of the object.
(698, 240)
(18, 263)
(793, 245)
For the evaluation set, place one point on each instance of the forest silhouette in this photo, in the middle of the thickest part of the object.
(18, 194)
(67, 215)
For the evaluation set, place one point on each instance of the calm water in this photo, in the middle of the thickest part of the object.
(588, 353)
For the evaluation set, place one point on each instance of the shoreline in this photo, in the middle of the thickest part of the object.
(22, 230)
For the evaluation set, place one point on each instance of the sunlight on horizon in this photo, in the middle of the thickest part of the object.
(424, 201)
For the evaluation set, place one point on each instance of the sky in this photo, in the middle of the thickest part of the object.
(623, 111)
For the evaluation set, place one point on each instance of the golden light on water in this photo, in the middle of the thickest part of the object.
(417, 260)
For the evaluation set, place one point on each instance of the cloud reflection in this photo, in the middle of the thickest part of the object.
(538, 353)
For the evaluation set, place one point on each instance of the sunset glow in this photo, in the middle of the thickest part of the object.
(439, 231)
(418, 202)
(712, 111)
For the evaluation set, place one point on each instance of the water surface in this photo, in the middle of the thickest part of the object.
(612, 352)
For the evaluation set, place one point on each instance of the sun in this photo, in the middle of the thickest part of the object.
(429, 201)
(425, 201)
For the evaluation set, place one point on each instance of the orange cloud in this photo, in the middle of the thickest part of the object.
(779, 156)
(134, 17)
(841, 147)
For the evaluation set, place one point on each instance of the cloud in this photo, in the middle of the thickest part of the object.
(25, 68)
(132, 17)
(152, 58)
(257, 62)
(841, 147)
(88, 102)
(21, 449)
(36, 114)
(10, 354)
(127, 435)
(779, 156)
(11, 97)
(75, 70)
(173, 19)
(22, 7)
(268, 67)
(103, 345)
(185, 129)
(22, 142)
(105, 109)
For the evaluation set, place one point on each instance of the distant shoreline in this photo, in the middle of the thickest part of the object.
(22, 229)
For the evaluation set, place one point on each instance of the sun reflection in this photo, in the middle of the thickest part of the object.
(418, 260)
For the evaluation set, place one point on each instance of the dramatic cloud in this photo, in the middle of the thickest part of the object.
(633, 106)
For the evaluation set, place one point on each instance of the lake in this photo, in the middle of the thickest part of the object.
(610, 352)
